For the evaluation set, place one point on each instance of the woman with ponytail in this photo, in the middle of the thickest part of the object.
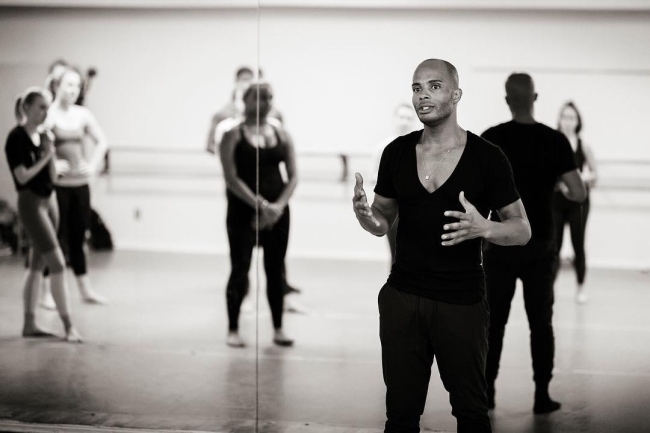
(30, 154)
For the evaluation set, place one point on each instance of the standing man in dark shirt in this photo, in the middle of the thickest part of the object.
(540, 156)
(442, 181)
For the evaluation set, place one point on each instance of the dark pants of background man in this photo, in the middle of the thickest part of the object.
(534, 265)
(413, 330)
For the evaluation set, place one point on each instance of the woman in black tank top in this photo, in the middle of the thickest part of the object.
(566, 211)
(258, 197)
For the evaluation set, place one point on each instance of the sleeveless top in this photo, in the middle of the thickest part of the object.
(70, 147)
(271, 183)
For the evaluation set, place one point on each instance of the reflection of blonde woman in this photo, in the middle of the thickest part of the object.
(30, 155)
(71, 124)
(404, 122)
(566, 211)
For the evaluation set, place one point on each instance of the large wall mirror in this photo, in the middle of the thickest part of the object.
(240, 293)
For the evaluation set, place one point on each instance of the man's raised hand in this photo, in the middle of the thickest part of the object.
(471, 225)
(360, 204)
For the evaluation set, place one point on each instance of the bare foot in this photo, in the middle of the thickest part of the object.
(234, 340)
(33, 331)
(94, 298)
(72, 336)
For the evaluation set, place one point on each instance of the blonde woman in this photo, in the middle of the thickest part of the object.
(30, 154)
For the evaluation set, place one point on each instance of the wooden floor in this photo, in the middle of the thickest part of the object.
(155, 358)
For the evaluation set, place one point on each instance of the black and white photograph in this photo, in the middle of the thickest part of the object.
(324, 216)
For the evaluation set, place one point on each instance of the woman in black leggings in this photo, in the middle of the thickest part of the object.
(71, 124)
(30, 154)
(566, 211)
(258, 196)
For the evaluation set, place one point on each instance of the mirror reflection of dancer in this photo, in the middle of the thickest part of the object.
(223, 121)
(567, 211)
(30, 155)
(442, 181)
(404, 122)
(539, 157)
(240, 150)
(71, 124)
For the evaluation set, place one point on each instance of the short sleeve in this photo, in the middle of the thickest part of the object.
(501, 189)
(385, 185)
(14, 149)
(564, 159)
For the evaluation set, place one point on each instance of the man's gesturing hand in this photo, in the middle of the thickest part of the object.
(360, 203)
(471, 225)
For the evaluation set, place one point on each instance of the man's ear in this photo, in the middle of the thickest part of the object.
(535, 98)
(458, 93)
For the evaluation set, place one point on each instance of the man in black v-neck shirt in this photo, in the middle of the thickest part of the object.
(442, 181)
(539, 157)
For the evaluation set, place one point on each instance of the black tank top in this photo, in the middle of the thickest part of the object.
(271, 183)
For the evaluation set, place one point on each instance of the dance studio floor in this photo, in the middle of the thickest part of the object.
(155, 358)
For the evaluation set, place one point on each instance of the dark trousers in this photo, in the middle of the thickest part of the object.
(74, 211)
(413, 330)
(575, 214)
(534, 266)
(241, 237)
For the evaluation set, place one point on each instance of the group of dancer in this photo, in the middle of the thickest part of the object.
(51, 169)
(475, 214)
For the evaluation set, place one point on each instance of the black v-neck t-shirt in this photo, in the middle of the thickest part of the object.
(423, 266)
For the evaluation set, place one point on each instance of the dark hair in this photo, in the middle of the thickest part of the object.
(255, 87)
(246, 70)
(27, 98)
(570, 104)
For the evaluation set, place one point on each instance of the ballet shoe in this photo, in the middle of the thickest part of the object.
(581, 297)
(282, 340)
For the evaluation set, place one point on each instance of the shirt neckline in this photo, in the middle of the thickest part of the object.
(453, 173)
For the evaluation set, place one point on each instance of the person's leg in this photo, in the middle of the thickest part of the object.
(461, 347)
(560, 218)
(79, 218)
(275, 242)
(32, 212)
(42, 231)
(407, 356)
(64, 199)
(241, 238)
(501, 281)
(537, 280)
(46, 300)
(578, 223)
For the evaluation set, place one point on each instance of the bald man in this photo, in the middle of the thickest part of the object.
(539, 157)
(442, 181)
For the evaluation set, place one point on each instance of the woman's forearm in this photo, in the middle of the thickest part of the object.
(242, 191)
(287, 192)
